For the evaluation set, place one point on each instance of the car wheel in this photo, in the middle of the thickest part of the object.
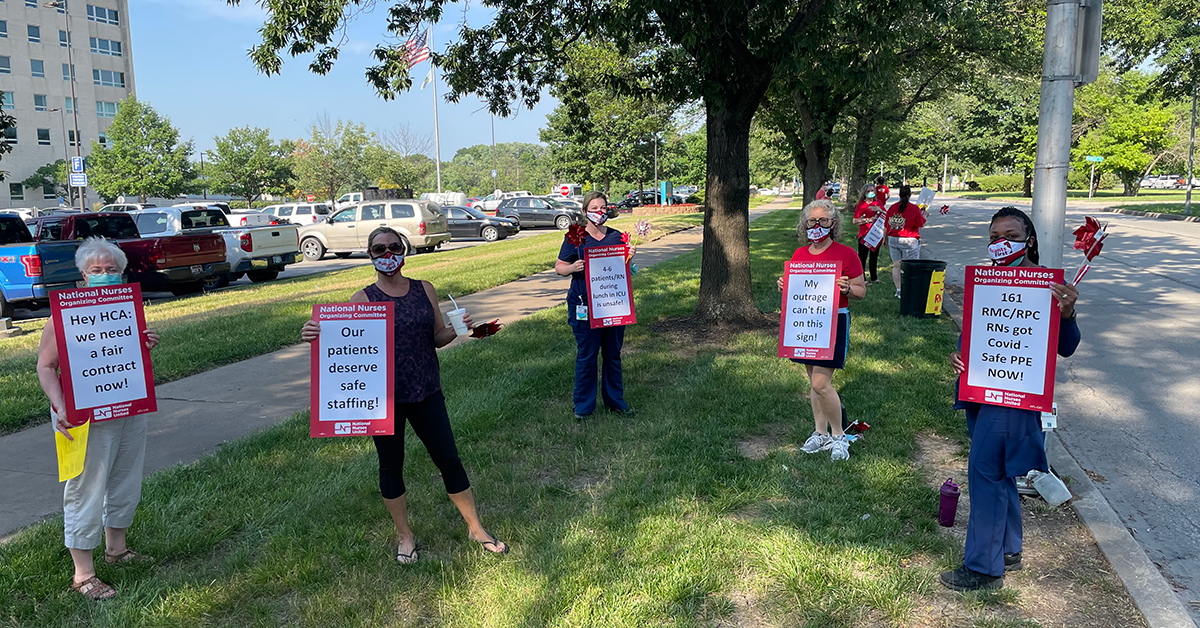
(563, 223)
(489, 233)
(313, 249)
(6, 309)
(259, 276)
(236, 277)
(183, 289)
(216, 282)
(343, 255)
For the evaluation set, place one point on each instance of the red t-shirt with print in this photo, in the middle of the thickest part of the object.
(869, 210)
(907, 223)
(837, 252)
(881, 193)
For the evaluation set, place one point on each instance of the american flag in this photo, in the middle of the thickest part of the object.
(416, 49)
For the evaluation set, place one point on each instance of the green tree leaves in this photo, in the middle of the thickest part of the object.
(333, 159)
(248, 163)
(143, 157)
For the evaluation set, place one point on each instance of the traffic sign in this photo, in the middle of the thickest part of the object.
(77, 165)
(311, 198)
(1094, 158)
(78, 180)
(493, 174)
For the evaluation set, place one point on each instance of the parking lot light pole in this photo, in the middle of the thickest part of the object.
(1187, 204)
(62, 117)
(61, 4)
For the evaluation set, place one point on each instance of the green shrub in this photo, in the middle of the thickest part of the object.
(257, 204)
(697, 198)
(997, 183)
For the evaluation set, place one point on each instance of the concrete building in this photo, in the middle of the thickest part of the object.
(34, 75)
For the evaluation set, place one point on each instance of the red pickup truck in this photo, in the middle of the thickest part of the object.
(179, 263)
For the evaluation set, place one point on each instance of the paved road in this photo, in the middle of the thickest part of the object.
(1129, 395)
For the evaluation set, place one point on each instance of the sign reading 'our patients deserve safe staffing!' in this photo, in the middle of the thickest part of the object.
(808, 326)
(352, 370)
(609, 286)
(1010, 337)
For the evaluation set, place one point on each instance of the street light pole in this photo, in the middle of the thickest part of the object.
(66, 155)
(494, 188)
(1187, 204)
(61, 4)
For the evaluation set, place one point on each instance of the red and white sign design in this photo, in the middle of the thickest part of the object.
(1010, 336)
(874, 236)
(565, 190)
(609, 286)
(808, 323)
(106, 370)
(352, 370)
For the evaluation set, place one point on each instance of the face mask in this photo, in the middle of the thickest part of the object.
(597, 218)
(388, 264)
(103, 279)
(818, 233)
(1006, 252)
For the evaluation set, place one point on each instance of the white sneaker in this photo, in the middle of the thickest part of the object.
(840, 448)
(897, 293)
(816, 442)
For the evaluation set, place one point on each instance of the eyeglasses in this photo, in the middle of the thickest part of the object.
(379, 249)
(824, 222)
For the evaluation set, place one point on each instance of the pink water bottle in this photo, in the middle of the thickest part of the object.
(948, 507)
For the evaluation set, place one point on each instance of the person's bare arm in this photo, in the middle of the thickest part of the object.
(47, 371)
(443, 335)
(567, 268)
(312, 329)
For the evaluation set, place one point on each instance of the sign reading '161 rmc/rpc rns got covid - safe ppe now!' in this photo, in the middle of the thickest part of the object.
(352, 370)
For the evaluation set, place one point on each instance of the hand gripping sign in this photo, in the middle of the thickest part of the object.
(808, 325)
(353, 372)
(609, 286)
(106, 370)
(1010, 336)
(874, 236)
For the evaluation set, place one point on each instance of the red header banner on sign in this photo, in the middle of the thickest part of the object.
(105, 366)
(808, 319)
(609, 286)
(1010, 336)
(353, 373)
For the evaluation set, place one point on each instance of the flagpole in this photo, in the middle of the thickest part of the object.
(437, 144)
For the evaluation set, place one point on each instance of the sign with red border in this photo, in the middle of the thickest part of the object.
(1010, 336)
(105, 366)
(809, 314)
(609, 286)
(353, 373)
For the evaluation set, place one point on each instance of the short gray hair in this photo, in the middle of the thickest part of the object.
(827, 205)
(93, 249)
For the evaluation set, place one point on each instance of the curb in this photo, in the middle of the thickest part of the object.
(1135, 212)
(1151, 593)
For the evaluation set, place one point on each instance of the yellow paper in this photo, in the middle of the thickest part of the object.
(937, 284)
(71, 452)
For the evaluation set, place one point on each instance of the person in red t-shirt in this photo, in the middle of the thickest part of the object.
(821, 224)
(904, 232)
(865, 213)
(882, 191)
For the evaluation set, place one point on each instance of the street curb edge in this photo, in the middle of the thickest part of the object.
(1159, 216)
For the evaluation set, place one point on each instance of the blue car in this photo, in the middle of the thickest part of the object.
(30, 271)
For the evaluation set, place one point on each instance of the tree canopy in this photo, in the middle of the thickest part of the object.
(333, 158)
(143, 156)
(248, 163)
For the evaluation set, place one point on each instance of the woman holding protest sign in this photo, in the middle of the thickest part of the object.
(904, 221)
(821, 225)
(419, 332)
(101, 500)
(869, 208)
(1006, 443)
(590, 343)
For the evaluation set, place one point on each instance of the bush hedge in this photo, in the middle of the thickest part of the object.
(257, 204)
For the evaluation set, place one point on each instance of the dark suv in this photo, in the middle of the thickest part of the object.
(533, 211)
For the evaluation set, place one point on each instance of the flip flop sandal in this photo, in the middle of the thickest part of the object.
(93, 589)
(494, 543)
(126, 557)
(406, 559)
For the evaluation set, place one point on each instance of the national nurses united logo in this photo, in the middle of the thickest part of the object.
(993, 396)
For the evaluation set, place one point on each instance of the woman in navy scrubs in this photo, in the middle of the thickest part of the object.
(592, 342)
(1006, 443)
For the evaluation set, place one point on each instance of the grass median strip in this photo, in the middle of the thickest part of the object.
(668, 517)
(203, 332)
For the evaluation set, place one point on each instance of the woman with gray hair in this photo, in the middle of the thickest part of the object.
(821, 224)
(104, 496)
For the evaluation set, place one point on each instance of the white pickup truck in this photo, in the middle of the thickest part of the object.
(236, 217)
(259, 253)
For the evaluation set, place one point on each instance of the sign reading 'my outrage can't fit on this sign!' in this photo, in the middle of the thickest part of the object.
(352, 370)
(808, 324)
(1010, 336)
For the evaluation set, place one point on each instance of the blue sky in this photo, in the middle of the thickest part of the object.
(190, 63)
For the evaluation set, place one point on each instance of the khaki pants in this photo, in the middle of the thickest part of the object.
(110, 487)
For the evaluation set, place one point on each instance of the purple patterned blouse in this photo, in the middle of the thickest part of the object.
(417, 371)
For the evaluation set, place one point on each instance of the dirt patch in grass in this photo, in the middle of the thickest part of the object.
(760, 446)
(1065, 583)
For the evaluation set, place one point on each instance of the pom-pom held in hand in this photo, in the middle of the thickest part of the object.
(945, 209)
(575, 234)
(486, 329)
(642, 228)
(1090, 238)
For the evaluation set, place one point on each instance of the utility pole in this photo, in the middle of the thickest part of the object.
(657, 185)
(494, 185)
(1187, 204)
(945, 167)
(61, 4)
(204, 190)
(62, 118)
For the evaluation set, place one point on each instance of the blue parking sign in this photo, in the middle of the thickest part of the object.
(77, 165)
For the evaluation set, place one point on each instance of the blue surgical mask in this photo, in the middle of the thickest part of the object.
(104, 279)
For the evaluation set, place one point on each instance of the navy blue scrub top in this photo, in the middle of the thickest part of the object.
(570, 253)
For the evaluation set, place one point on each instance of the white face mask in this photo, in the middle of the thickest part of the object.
(1006, 252)
(388, 264)
(597, 218)
(818, 233)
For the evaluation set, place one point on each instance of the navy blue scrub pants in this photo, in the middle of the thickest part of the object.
(591, 343)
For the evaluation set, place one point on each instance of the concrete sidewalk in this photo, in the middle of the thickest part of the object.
(198, 413)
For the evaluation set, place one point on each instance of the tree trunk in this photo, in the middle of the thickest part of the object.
(1130, 181)
(861, 162)
(1027, 184)
(817, 148)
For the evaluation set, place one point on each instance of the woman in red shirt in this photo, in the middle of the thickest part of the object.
(904, 232)
(822, 225)
(882, 191)
(865, 213)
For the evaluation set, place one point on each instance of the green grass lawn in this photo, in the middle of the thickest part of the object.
(650, 520)
(206, 331)
(1102, 196)
(1161, 208)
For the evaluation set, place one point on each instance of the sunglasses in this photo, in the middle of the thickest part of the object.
(379, 249)
(824, 222)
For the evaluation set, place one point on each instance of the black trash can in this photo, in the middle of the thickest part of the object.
(915, 278)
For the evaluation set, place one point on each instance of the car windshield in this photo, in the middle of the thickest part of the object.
(13, 231)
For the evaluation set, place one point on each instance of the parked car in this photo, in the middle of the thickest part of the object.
(26, 213)
(298, 213)
(421, 224)
(1166, 182)
(236, 217)
(30, 271)
(467, 222)
(491, 202)
(126, 207)
(533, 211)
(565, 201)
(259, 253)
(347, 199)
(180, 264)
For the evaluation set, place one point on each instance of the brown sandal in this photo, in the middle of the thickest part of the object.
(93, 589)
(128, 556)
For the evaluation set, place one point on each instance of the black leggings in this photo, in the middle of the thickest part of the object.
(431, 423)
(863, 251)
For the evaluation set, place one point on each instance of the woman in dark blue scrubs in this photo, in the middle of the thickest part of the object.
(1006, 443)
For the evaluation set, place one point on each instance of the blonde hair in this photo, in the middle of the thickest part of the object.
(93, 249)
(835, 231)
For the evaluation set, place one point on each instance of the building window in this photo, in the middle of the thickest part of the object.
(108, 78)
(71, 102)
(31, 4)
(102, 15)
(35, 34)
(71, 137)
(62, 6)
(3, 29)
(16, 191)
(102, 140)
(43, 137)
(10, 135)
(48, 192)
(37, 68)
(6, 101)
(5, 65)
(106, 109)
(39, 102)
(68, 74)
(64, 39)
(106, 47)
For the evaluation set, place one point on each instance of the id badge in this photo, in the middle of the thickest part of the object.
(581, 312)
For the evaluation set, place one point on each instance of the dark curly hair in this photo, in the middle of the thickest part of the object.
(1031, 245)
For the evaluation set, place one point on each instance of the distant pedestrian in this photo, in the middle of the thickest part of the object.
(419, 332)
(882, 191)
(865, 213)
(904, 220)
(591, 343)
(825, 191)
(102, 499)
(820, 224)
(1006, 443)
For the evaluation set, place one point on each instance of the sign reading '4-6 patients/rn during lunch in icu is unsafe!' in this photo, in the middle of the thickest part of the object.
(808, 326)
(609, 286)
(352, 370)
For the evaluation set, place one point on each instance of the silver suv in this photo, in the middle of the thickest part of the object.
(422, 226)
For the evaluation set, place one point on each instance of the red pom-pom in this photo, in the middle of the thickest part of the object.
(1090, 238)
(486, 329)
(575, 234)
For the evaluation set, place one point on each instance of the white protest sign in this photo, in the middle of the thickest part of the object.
(352, 370)
(610, 288)
(808, 326)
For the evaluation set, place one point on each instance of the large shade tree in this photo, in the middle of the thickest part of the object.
(248, 163)
(143, 156)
